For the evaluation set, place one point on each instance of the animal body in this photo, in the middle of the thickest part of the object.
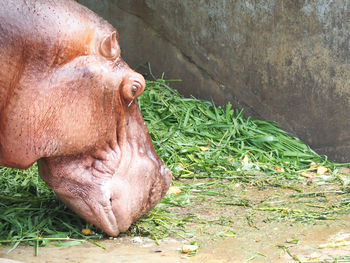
(68, 101)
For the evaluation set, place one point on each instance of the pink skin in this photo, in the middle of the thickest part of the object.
(116, 183)
(68, 101)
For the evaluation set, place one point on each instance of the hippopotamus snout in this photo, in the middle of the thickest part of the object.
(113, 186)
(118, 180)
(145, 188)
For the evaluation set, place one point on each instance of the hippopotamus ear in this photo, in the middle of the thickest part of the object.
(109, 47)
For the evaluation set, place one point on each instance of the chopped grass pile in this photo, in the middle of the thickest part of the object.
(197, 139)
(215, 146)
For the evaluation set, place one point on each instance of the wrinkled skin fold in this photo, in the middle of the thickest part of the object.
(69, 101)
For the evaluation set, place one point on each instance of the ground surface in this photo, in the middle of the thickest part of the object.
(240, 223)
(250, 245)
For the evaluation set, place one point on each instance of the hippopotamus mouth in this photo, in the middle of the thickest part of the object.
(115, 183)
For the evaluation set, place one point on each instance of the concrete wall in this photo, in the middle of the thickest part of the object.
(282, 60)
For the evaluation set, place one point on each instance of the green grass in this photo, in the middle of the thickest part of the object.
(213, 148)
(197, 139)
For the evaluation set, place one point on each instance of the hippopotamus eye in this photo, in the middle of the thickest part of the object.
(132, 86)
(134, 90)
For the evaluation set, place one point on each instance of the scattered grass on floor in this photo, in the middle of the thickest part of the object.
(216, 155)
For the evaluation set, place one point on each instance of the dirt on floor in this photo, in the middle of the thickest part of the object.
(262, 225)
(270, 243)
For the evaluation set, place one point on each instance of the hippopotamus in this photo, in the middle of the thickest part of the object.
(69, 102)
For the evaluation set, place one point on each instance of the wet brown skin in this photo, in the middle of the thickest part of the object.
(68, 101)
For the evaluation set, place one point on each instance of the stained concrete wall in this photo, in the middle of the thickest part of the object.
(282, 60)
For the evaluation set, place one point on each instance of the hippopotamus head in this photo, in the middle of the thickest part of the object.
(69, 101)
